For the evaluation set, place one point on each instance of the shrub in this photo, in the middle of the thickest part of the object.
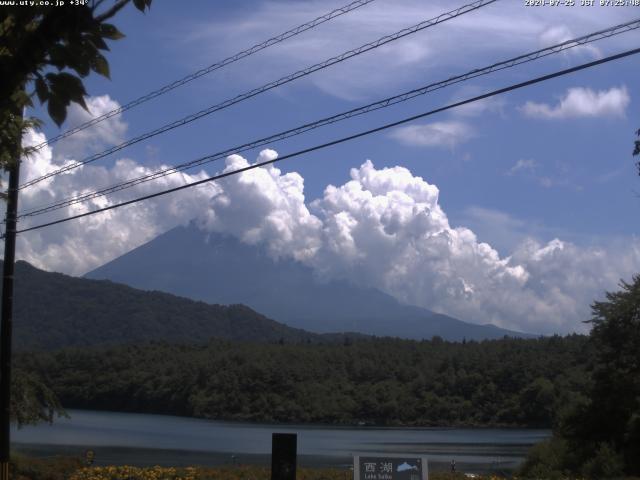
(56, 468)
(606, 463)
(545, 460)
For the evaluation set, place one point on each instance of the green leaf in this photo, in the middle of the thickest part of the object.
(98, 42)
(20, 98)
(42, 89)
(82, 66)
(110, 31)
(57, 110)
(142, 4)
(58, 56)
(67, 88)
(100, 65)
(80, 101)
(79, 58)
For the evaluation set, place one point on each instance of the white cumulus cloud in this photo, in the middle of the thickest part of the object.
(582, 102)
(96, 138)
(80, 245)
(383, 228)
(436, 134)
(263, 205)
(556, 34)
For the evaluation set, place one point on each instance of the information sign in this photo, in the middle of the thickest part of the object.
(390, 467)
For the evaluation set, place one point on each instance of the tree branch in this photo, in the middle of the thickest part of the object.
(119, 5)
(96, 4)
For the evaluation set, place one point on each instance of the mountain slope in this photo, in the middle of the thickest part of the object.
(220, 269)
(53, 310)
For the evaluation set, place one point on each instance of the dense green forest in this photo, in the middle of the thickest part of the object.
(513, 382)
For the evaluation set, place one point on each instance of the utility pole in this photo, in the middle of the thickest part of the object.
(6, 322)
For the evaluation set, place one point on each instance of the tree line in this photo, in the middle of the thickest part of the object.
(382, 381)
(599, 435)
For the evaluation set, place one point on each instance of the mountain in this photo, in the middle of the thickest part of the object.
(220, 269)
(52, 310)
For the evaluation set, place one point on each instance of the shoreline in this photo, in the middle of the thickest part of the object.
(148, 440)
(319, 426)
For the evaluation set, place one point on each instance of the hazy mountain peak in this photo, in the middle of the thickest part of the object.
(217, 268)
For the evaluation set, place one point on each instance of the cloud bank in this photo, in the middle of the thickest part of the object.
(383, 228)
(496, 32)
(582, 102)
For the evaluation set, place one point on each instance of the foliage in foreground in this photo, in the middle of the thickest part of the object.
(200, 473)
(49, 51)
(636, 150)
(32, 401)
(599, 437)
(229, 473)
(56, 468)
(125, 472)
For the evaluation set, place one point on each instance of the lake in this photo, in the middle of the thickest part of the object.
(143, 439)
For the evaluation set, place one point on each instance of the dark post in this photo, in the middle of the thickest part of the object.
(283, 456)
(7, 315)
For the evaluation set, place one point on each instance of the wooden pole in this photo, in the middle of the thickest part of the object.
(6, 320)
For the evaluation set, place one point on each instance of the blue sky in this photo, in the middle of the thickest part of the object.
(551, 161)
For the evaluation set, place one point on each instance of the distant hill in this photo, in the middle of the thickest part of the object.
(220, 269)
(53, 310)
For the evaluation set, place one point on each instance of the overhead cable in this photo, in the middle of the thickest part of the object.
(211, 68)
(341, 140)
(529, 57)
(269, 86)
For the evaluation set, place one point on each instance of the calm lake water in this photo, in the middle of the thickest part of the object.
(166, 440)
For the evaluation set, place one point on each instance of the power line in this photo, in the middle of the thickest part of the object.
(286, 79)
(211, 68)
(343, 139)
(586, 39)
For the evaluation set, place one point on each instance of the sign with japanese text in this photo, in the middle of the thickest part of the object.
(390, 467)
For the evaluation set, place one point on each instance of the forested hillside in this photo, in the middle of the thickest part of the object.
(53, 310)
(379, 381)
